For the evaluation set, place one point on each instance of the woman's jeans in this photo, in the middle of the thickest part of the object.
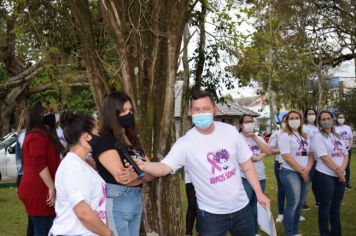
(191, 210)
(295, 190)
(253, 199)
(330, 193)
(42, 224)
(239, 223)
(124, 209)
(280, 192)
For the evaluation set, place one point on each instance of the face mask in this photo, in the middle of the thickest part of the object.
(294, 124)
(203, 120)
(249, 127)
(127, 120)
(326, 124)
(49, 120)
(93, 141)
(283, 125)
(311, 118)
(341, 121)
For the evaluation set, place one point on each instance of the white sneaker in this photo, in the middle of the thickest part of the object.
(301, 218)
(297, 235)
(279, 219)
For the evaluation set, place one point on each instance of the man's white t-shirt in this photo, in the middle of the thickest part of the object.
(187, 178)
(255, 149)
(273, 142)
(213, 164)
(328, 145)
(295, 145)
(76, 181)
(345, 133)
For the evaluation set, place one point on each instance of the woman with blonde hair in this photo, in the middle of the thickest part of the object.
(294, 146)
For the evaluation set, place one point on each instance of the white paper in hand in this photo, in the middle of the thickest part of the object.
(265, 220)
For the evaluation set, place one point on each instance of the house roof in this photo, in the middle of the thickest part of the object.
(226, 109)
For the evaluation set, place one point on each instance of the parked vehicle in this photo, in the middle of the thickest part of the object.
(8, 168)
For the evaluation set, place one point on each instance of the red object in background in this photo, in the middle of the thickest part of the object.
(266, 137)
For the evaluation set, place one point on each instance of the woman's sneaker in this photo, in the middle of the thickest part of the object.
(279, 219)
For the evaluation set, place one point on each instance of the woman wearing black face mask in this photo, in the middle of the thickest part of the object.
(80, 204)
(40, 162)
(124, 188)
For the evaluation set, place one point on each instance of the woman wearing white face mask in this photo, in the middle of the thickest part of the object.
(311, 129)
(345, 133)
(294, 146)
(259, 149)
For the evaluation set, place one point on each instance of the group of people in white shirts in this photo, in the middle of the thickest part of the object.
(225, 167)
(315, 148)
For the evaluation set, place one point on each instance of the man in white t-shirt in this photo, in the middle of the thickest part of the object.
(213, 153)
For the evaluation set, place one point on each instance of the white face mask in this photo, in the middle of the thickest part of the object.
(249, 127)
(341, 121)
(311, 118)
(294, 124)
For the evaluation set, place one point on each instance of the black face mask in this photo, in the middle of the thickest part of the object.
(49, 120)
(93, 141)
(126, 121)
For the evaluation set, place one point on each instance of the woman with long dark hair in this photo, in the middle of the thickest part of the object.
(294, 146)
(345, 133)
(40, 163)
(329, 176)
(124, 188)
(311, 129)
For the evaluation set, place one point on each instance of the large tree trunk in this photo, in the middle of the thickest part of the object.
(184, 121)
(96, 74)
(148, 37)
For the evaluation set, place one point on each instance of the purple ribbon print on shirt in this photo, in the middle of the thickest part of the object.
(218, 159)
(254, 149)
(337, 148)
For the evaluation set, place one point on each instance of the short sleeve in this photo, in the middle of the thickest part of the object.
(105, 142)
(350, 132)
(273, 140)
(176, 158)
(78, 190)
(37, 150)
(243, 151)
(261, 139)
(284, 144)
(318, 146)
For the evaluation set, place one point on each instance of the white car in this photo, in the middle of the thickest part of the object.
(8, 168)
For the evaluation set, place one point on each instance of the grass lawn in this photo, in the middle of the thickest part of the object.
(13, 219)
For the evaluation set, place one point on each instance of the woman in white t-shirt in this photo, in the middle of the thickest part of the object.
(345, 133)
(273, 142)
(81, 192)
(260, 149)
(311, 129)
(294, 146)
(329, 175)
